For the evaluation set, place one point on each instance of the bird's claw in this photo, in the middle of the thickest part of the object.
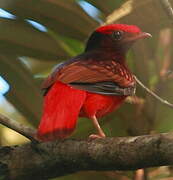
(96, 136)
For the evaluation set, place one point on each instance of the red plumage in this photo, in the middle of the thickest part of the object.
(99, 105)
(90, 85)
(61, 109)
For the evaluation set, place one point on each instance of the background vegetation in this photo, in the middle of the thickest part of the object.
(28, 52)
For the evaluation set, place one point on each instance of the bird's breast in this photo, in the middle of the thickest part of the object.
(100, 105)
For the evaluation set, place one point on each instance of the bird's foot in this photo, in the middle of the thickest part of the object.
(96, 136)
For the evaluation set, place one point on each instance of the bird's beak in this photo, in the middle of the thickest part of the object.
(143, 35)
(140, 35)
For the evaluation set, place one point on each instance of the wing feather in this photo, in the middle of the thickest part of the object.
(87, 74)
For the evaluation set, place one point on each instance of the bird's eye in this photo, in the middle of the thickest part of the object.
(117, 35)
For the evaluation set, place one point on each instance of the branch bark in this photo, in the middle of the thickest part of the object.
(58, 158)
(28, 132)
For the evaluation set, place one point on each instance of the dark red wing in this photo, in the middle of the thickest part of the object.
(90, 73)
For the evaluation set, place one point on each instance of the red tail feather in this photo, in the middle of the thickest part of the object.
(62, 105)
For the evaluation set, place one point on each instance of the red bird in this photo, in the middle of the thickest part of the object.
(91, 84)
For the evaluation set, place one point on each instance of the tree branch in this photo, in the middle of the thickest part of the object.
(58, 158)
(168, 8)
(20, 128)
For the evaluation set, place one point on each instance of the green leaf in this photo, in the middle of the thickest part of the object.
(70, 45)
(24, 93)
(62, 17)
(107, 7)
(21, 39)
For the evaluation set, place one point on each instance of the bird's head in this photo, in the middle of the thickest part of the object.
(117, 37)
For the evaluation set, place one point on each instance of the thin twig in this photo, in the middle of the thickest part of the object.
(168, 8)
(153, 94)
(16, 126)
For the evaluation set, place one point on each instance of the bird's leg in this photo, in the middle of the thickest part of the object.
(100, 134)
